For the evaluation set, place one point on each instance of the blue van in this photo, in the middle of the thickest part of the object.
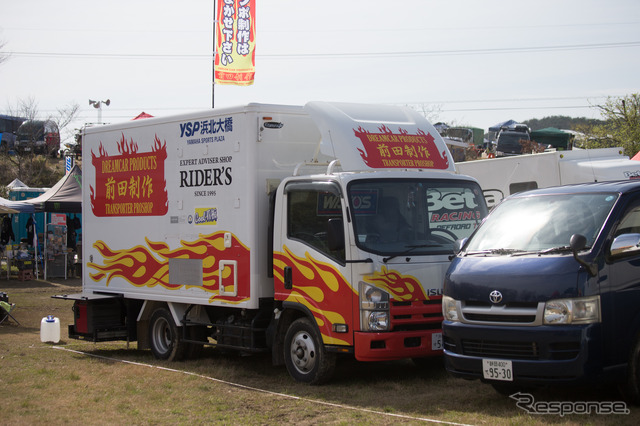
(547, 291)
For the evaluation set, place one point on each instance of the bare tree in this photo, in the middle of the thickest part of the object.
(64, 117)
(430, 111)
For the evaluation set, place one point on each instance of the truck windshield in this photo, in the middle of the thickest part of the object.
(425, 216)
(538, 223)
(510, 142)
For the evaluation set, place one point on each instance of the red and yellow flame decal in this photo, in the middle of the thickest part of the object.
(403, 288)
(319, 287)
(141, 267)
(328, 294)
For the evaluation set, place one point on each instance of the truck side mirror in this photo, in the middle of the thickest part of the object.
(457, 246)
(625, 244)
(335, 234)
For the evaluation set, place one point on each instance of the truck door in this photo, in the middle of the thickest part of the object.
(315, 275)
(621, 300)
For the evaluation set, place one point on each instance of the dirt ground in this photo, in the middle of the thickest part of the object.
(82, 380)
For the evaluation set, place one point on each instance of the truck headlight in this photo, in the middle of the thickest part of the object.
(374, 308)
(450, 309)
(582, 310)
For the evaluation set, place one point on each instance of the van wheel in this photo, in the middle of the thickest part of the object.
(631, 389)
(164, 336)
(305, 355)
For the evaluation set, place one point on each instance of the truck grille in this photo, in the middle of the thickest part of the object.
(416, 315)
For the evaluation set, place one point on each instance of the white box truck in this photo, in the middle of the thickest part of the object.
(304, 231)
(501, 177)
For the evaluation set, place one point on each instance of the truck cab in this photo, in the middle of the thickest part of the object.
(508, 140)
(372, 246)
(546, 291)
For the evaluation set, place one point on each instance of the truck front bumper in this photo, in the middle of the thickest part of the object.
(397, 345)
(539, 355)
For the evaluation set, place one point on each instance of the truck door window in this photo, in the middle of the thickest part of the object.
(308, 214)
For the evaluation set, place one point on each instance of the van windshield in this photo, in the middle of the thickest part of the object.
(393, 216)
(542, 222)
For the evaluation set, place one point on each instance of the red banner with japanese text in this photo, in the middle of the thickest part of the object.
(386, 149)
(131, 183)
(235, 60)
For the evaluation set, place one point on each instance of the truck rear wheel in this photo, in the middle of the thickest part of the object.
(305, 356)
(165, 336)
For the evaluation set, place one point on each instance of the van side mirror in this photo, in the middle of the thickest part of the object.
(335, 234)
(579, 242)
(625, 244)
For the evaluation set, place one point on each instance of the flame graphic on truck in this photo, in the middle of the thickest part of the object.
(141, 267)
(330, 297)
(319, 287)
(403, 288)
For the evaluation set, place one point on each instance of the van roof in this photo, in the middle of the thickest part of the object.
(620, 186)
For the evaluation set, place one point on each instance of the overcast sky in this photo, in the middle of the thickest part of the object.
(471, 62)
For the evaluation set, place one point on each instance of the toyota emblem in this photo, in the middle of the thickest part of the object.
(495, 296)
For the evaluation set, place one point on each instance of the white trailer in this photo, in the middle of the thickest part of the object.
(304, 231)
(500, 177)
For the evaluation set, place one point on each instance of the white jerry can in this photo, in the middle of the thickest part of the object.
(50, 329)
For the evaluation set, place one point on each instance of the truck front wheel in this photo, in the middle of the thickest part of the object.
(164, 336)
(305, 356)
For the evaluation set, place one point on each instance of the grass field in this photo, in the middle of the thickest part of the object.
(77, 382)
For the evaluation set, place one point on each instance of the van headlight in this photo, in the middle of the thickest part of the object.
(582, 310)
(374, 308)
(450, 309)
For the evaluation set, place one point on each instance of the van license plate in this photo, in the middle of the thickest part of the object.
(497, 369)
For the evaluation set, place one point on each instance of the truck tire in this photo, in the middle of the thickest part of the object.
(165, 337)
(305, 355)
(631, 389)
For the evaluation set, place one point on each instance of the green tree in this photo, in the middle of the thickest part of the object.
(621, 126)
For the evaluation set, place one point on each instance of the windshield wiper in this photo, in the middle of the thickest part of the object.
(410, 249)
(559, 249)
(500, 251)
